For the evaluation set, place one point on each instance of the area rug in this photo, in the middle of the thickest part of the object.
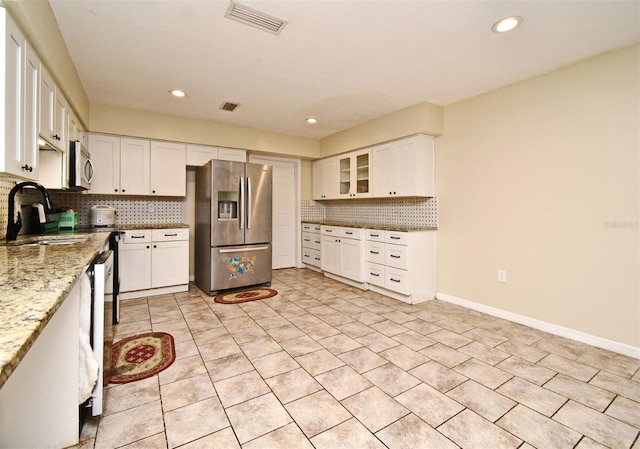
(245, 295)
(141, 356)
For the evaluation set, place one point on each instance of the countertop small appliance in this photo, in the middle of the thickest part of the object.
(101, 215)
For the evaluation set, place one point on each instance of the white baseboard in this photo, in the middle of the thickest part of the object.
(154, 291)
(621, 348)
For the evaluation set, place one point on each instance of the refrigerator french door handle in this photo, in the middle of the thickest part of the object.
(249, 202)
(242, 209)
(238, 250)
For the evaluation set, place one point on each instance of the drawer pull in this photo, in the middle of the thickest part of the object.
(374, 252)
(394, 280)
(317, 241)
(374, 235)
(374, 274)
(394, 237)
(137, 236)
(328, 230)
(348, 232)
(307, 240)
(394, 256)
(171, 235)
(318, 259)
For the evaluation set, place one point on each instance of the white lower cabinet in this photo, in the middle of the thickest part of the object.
(311, 245)
(39, 402)
(154, 259)
(402, 264)
(343, 252)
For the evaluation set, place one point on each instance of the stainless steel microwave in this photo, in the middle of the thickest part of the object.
(80, 167)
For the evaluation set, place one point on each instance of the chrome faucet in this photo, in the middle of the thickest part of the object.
(13, 228)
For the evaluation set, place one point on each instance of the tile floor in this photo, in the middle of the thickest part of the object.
(323, 365)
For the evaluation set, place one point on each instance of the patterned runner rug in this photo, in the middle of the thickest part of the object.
(245, 295)
(141, 356)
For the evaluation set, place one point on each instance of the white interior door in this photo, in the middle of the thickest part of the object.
(286, 189)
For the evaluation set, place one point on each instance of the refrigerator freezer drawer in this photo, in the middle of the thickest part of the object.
(240, 266)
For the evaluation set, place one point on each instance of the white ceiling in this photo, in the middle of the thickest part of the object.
(344, 62)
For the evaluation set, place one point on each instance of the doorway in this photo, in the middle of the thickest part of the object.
(286, 210)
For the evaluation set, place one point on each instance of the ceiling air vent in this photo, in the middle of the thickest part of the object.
(255, 18)
(228, 106)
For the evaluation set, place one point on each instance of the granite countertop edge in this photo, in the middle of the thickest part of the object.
(400, 228)
(37, 279)
(137, 226)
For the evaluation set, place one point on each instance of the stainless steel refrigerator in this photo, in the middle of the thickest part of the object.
(233, 225)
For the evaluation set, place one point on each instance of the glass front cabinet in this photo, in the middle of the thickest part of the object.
(355, 174)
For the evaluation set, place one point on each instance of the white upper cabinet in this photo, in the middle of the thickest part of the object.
(105, 155)
(168, 174)
(326, 179)
(404, 167)
(201, 154)
(232, 154)
(135, 165)
(128, 166)
(53, 112)
(18, 155)
(355, 174)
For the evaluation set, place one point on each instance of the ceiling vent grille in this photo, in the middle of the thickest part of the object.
(228, 106)
(253, 17)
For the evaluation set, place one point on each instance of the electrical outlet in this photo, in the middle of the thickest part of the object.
(502, 276)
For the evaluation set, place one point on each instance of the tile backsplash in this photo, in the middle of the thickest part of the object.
(152, 210)
(129, 209)
(378, 211)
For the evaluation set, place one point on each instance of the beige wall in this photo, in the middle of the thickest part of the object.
(541, 179)
(114, 120)
(422, 118)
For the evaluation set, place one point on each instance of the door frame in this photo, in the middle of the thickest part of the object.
(264, 159)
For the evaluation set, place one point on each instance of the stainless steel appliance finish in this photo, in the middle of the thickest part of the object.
(80, 167)
(233, 225)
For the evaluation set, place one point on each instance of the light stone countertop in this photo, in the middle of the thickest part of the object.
(34, 281)
(399, 228)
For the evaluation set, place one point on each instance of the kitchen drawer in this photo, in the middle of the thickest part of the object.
(317, 258)
(374, 235)
(310, 240)
(311, 257)
(374, 274)
(351, 233)
(330, 230)
(395, 256)
(307, 239)
(310, 227)
(169, 235)
(137, 236)
(395, 237)
(374, 252)
(396, 280)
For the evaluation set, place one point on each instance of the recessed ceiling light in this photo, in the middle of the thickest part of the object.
(506, 24)
(177, 93)
(311, 120)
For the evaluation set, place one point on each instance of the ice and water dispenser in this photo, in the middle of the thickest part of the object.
(227, 205)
